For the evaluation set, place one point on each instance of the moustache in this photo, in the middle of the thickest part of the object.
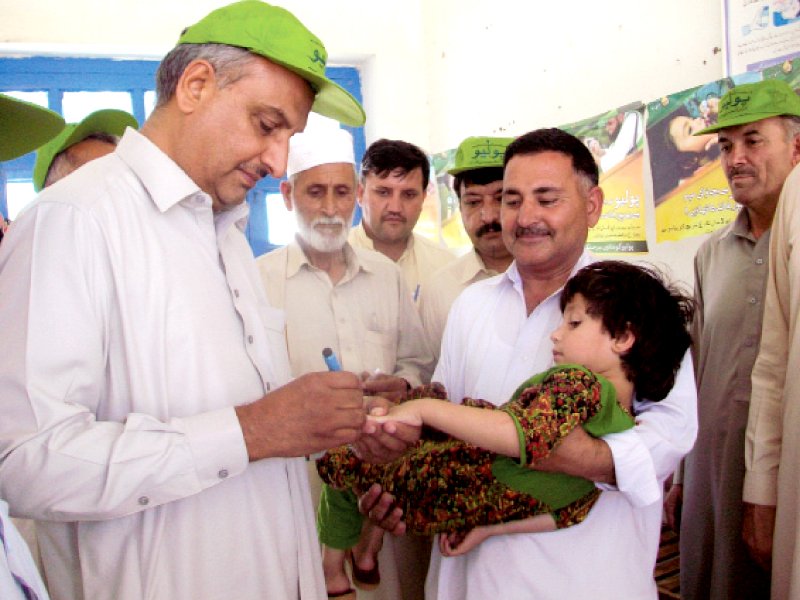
(329, 221)
(394, 216)
(532, 230)
(492, 227)
(734, 171)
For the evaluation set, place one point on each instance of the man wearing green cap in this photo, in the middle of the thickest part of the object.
(759, 141)
(95, 136)
(478, 183)
(23, 126)
(148, 422)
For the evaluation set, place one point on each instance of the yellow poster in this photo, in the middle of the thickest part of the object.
(615, 139)
(701, 204)
(621, 228)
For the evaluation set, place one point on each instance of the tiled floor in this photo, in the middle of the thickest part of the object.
(667, 571)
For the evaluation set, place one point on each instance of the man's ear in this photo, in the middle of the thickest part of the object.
(286, 192)
(623, 342)
(594, 205)
(360, 194)
(796, 150)
(196, 82)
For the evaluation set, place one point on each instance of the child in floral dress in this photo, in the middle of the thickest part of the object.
(623, 331)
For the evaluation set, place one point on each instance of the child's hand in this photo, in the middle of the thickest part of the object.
(406, 413)
(459, 543)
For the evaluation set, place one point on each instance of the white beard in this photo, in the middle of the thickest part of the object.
(319, 241)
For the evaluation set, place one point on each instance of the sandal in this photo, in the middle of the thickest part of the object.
(364, 579)
(348, 594)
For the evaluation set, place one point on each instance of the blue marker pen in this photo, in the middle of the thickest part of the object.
(331, 360)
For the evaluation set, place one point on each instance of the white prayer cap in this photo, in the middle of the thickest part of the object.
(321, 146)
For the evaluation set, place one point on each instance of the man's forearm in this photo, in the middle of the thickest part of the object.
(581, 455)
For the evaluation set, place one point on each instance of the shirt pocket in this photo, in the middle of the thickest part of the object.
(380, 350)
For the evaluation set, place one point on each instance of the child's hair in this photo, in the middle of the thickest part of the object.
(636, 298)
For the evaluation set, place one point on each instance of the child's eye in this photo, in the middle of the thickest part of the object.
(574, 324)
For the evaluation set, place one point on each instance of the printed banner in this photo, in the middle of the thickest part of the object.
(616, 139)
(690, 191)
(452, 229)
(760, 33)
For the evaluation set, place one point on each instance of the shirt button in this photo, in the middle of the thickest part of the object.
(236, 293)
(759, 261)
(223, 473)
(144, 500)
(249, 339)
(752, 300)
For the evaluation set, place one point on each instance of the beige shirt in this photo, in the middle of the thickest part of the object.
(772, 440)
(418, 262)
(367, 318)
(443, 288)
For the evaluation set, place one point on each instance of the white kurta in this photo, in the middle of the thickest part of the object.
(133, 322)
(19, 576)
(490, 346)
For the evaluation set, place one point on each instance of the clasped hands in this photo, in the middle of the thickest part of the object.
(318, 411)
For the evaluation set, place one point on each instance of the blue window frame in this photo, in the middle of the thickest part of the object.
(59, 78)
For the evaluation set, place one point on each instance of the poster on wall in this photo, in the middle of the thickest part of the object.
(690, 191)
(616, 139)
(788, 70)
(760, 33)
(430, 222)
(452, 229)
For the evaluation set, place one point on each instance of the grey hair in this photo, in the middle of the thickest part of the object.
(63, 163)
(792, 125)
(229, 63)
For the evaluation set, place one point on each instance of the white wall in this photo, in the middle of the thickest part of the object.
(508, 66)
(435, 71)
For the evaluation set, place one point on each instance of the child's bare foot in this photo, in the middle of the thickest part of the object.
(337, 583)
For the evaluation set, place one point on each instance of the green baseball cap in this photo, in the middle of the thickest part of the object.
(480, 153)
(25, 126)
(755, 101)
(110, 121)
(276, 34)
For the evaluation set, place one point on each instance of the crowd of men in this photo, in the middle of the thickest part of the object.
(162, 390)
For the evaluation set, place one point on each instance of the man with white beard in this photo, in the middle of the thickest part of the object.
(351, 300)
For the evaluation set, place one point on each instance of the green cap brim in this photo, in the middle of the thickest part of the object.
(110, 121)
(331, 99)
(25, 126)
(751, 102)
(277, 35)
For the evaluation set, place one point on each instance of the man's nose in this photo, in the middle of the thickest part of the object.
(275, 155)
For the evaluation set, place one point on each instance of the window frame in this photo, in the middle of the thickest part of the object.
(57, 75)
